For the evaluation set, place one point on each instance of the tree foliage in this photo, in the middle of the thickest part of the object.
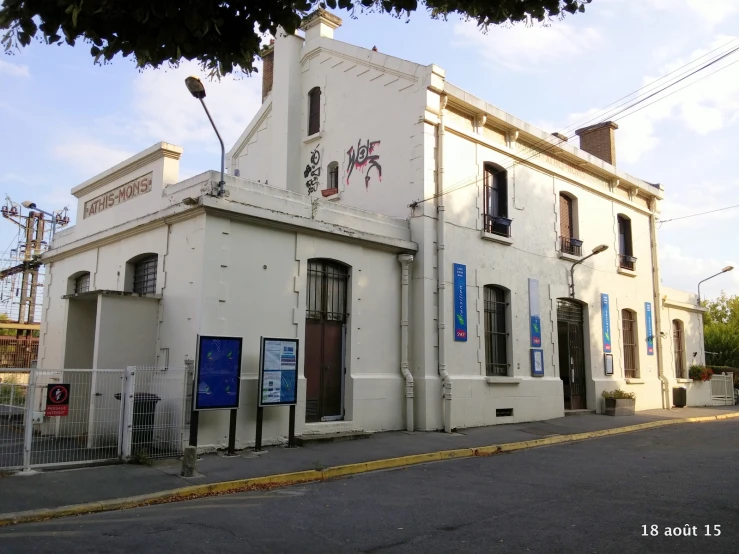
(223, 35)
(721, 330)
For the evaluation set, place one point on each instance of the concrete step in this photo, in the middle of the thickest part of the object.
(578, 412)
(303, 440)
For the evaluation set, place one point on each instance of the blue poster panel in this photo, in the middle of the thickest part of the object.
(537, 362)
(534, 316)
(218, 373)
(460, 302)
(650, 331)
(278, 372)
(606, 315)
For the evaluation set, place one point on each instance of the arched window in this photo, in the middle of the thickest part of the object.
(314, 111)
(82, 283)
(333, 176)
(678, 341)
(631, 350)
(141, 274)
(496, 331)
(496, 200)
(626, 259)
(568, 230)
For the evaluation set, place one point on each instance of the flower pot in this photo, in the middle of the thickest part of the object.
(329, 192)
(620, 406)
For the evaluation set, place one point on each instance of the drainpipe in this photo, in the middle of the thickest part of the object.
(666, 403)
(446, 381)
(405, 263)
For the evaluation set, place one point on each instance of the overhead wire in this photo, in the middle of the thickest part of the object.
(679, 78)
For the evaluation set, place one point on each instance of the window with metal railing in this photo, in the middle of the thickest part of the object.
(82, 283)
(145, 275)
(678, 340)
(631, 355)
(626, 259)
(496, 332)
(571, 246)
(495, 216)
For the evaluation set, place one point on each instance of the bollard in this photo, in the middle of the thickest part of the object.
(189, 461)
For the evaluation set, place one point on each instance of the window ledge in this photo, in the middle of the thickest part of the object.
(630, 381)
(503, 380)
(497, 238)
(684, 380)
(626, 272)
(330, 194)
(313, 137)
(570, 257)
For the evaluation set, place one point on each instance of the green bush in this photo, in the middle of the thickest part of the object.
(6, 391)
(700, 373)
(618, 394)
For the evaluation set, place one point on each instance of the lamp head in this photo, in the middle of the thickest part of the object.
(195, 86)
(600, 248)
(727, 268)
(28, 204)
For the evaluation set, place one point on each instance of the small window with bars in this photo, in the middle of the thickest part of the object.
(496, 332)
(145, 275)
(82, 283)
(678, 339)
(333, 176)
(314, 111)
(327, 286)
(631, 360)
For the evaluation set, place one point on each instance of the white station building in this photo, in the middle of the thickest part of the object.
(417, 240)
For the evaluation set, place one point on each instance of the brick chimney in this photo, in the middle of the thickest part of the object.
(599, 140)
(268, 67)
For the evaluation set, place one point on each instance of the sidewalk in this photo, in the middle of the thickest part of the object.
(53, 489)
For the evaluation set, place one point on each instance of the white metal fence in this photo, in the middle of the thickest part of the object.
(722, 389)
(112, 414)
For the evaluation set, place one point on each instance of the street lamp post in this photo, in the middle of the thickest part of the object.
(724, 270)
(596, 250)
(197, 89)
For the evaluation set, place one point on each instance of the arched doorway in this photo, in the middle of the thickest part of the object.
(571, 353)
(325, 331)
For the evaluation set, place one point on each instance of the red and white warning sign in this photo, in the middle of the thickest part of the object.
(57, 400)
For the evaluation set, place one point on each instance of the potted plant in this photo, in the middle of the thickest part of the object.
(619, 402)
(700, 373)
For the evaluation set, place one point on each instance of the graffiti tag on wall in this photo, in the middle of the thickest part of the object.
(313, 171)
(364, 160)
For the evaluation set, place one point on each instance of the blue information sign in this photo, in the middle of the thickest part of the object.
(606, 315)
(460, 302)
(278, 372)
(650, 332)
(218, 377)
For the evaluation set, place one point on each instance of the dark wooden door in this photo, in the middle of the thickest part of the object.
(571, 353)
(325, 327)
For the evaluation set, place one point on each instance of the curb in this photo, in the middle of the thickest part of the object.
(311, 476)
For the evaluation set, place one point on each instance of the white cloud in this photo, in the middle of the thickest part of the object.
(526, 49)
(88, 156)
(683, 271)
(14, 70)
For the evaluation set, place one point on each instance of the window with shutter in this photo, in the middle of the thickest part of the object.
(631, 360)
(565, 216)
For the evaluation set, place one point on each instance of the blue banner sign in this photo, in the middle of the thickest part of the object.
(534, 317)
(218, 377)
(460, 302)
(650, 331)
(278, 372)
(606, 315)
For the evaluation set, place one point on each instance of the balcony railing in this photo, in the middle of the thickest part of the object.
(498, 225)
(627, 262)
(571, 246)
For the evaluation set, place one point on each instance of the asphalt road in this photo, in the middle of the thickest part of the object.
(594, 496)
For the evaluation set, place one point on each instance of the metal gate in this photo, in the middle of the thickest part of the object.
(722, 389)
(571, 353)
(110, 415)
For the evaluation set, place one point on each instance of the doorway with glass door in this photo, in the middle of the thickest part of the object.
(571, 353)
(325, 340)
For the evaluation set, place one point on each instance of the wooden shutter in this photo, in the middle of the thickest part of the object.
(314, 117)
(565, 216)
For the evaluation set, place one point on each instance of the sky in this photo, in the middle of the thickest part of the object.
(66, 119)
